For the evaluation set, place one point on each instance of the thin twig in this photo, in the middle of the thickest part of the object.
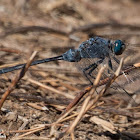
(50, 88)
(85, 106)
(82, 111)
(16, 80)
(102, 82)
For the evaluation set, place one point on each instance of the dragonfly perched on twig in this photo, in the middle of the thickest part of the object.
(89, 55)
(96, 47)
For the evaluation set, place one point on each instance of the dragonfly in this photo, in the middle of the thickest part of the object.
(94, 48)
(89, 55)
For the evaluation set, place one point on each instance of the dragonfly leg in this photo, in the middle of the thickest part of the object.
(110, 65)
(87, 68)
(116, 60)
(94, 66)
(92, 69)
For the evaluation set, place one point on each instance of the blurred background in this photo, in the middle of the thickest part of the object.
(52, 27)
(49, 26)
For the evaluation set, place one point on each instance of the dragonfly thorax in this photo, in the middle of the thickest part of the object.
(96, 47)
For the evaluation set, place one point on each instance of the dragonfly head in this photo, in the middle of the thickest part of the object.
(119, 47)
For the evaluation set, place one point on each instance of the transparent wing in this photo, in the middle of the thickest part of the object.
(130, 82)
(124, 85)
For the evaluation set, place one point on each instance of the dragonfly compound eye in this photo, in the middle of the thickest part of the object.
(119, 47)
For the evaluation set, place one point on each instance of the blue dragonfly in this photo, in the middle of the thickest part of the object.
(88, 56)
(95, 48)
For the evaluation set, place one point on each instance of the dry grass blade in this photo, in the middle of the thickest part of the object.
(10, 50)
(102, 82)
(107, 85)
(51, 89)
(77, 99)
(89, 102)
(82, 111)
(30, 132)
(137, 65)
(102, 92)
(16, 80)
(33, 130)
(105, 124)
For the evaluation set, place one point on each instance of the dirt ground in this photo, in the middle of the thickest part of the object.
(38, 100)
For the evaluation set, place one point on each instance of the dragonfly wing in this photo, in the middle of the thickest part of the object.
(121, 85)
(129, 83)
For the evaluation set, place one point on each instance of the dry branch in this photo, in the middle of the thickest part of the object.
(16, 80)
